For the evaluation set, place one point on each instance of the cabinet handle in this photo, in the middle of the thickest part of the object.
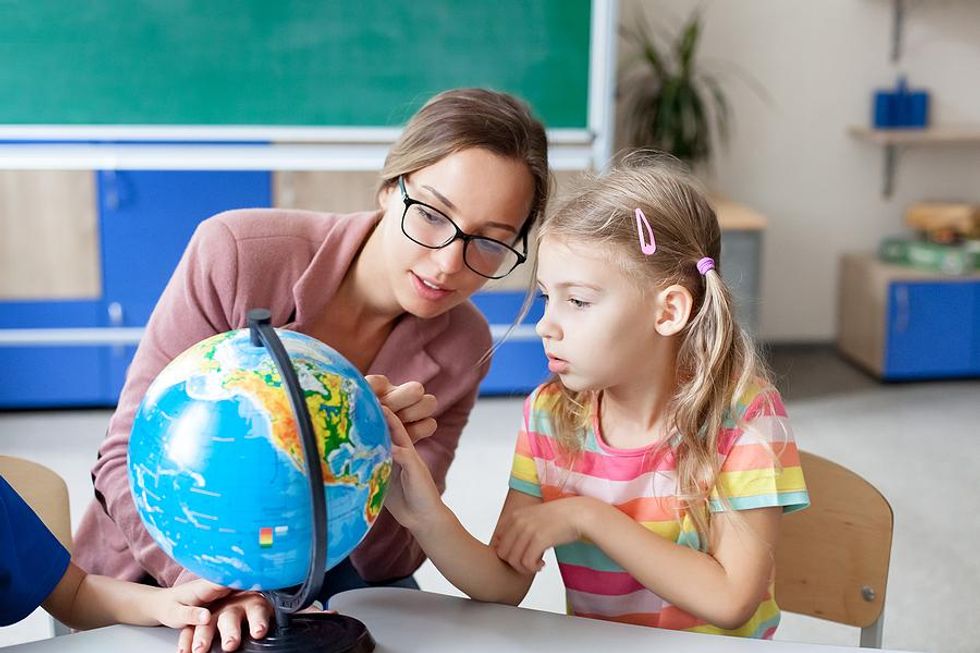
(110, 186)
(116, 318)
(901, 309)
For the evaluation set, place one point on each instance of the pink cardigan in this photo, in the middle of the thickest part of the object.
(290, 262)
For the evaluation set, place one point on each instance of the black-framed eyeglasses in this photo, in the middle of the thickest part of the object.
(431, 228)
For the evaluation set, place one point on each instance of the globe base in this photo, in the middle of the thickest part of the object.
(313, 633)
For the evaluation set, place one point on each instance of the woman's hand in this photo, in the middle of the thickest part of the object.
(226, 619)
(409, 402)
(524, 534)
(413, 498)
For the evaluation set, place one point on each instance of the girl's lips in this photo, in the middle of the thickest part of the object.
(428, 292)
(557, 365)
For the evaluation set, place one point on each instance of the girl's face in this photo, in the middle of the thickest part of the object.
(598, 329)
(484, 194)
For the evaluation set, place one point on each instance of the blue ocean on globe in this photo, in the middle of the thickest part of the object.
(216, 465)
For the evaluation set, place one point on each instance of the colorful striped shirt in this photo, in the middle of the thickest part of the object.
(759, 467)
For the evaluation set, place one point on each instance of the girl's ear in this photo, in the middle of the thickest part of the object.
(674, 305)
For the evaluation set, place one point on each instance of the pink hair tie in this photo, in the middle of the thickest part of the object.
(705, 264)
(648, 247)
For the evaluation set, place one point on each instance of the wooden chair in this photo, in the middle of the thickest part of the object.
(46, 492)
(832, 558)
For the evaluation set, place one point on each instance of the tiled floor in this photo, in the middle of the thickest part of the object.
(918, 443)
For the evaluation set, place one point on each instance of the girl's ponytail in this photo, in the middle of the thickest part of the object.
(717, 362)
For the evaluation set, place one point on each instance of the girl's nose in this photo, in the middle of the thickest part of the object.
(450, 258)
(546, 327)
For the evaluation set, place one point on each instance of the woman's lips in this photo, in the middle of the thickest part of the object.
(428, 292)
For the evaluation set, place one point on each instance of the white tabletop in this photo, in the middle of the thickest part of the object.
(410, 620)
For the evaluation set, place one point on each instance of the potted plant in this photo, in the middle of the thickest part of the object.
(671, 104)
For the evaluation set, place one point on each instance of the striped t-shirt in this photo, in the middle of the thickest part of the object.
(760, 467)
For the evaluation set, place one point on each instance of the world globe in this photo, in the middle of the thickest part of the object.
(217, 469)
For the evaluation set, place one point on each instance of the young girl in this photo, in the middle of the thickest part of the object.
(658, 459)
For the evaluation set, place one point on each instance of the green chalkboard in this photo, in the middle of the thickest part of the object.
(284, 62)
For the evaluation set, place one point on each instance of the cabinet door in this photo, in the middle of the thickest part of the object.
(932, 330)
(40, 374)
(147, 218)
(49, 279)
(519, 364)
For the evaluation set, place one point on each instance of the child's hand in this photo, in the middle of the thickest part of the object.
(413, 498)
(526, 533)
(183, 605)
(409, 402)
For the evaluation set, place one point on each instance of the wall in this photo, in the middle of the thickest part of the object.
(792, 159)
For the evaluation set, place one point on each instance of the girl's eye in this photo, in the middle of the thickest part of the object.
(543, 297)
(578, 303)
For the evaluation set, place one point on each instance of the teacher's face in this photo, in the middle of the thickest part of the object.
(484, 194)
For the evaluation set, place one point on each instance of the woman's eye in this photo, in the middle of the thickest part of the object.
(430, 217)
(578, 303)
(543, 297)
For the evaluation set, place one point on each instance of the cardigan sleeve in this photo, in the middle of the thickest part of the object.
(196, 303)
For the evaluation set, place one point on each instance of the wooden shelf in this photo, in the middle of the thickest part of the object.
(733, 216)
(892, 139)
(946, 135)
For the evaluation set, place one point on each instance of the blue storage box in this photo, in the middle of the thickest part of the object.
(901, 107)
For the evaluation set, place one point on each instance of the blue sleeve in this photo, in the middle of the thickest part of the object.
(32, 560)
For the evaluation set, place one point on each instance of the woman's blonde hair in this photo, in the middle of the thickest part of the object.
(716, 361)
(465, 118)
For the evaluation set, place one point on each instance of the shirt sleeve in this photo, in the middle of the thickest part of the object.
(761, 465)
(524, 472)
(32, 560)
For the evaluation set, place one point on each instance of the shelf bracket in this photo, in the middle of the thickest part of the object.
(890, 165)
(898, 24)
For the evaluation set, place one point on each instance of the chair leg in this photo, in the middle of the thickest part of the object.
(871, 635)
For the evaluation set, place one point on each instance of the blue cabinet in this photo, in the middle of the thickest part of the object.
(36, 375)
(146, 219)
(904, 324)
(519, 364)
(933, 330)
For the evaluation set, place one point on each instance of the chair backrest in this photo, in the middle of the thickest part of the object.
(44, 491)
(832, 558)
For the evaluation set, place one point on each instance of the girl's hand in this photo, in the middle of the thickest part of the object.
(226, 622)
(413, 498)
(409, 402)
(523, 535)
(181, 606)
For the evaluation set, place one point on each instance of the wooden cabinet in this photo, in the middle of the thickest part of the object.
(900, 323)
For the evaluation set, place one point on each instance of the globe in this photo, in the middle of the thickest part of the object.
(216, 462)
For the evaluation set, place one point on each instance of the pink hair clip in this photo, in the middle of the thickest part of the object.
(647, 247)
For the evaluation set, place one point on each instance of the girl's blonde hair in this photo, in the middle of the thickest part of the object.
(716, 361)
(465, 118)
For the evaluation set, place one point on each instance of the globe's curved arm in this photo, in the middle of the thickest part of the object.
(262, 334)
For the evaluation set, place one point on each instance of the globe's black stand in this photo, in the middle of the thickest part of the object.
(295, 632)
(312, 633)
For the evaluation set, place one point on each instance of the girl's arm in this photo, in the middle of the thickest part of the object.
(469, 564)
(84, 601)
(724, 588)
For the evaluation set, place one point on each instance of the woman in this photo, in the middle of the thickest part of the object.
(460, 190)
